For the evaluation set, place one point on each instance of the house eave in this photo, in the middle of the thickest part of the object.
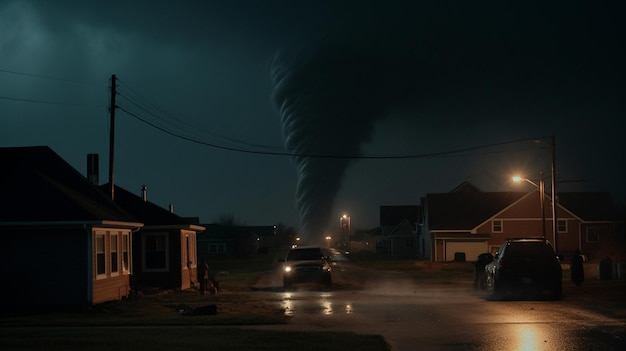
(196, 228)
(116, 224)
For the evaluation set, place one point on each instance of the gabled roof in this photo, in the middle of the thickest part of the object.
(147, 212)
(466, 210)
(39, 186)
(466, 187)
(393, 215)
(404, 228)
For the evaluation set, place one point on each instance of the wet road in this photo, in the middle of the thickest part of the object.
(424, 316)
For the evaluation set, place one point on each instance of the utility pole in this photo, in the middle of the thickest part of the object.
(112, 136)
(555, 226)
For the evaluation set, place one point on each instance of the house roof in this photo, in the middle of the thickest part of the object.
(591, 207)
(148, 212)
(39, 186)
(466, 210)
(393, 215)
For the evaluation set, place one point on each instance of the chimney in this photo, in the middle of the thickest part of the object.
(93, 169)
(144, 193)
(171, 208)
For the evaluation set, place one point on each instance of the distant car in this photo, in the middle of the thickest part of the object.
(525, 266)
(307, 265)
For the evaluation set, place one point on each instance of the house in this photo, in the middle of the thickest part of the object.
(239, 241)
(64, 242)
(398, 230)
(164, 249)
(467, 222)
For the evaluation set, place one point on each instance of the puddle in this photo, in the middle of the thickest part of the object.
(312, 304)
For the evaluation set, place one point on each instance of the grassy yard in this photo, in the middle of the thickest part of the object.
(165, 321)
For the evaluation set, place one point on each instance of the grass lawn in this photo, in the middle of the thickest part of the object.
(163, 322)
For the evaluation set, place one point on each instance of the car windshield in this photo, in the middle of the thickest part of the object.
(531, 249)
(305, 254)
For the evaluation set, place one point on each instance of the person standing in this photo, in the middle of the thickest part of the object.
(578, 272)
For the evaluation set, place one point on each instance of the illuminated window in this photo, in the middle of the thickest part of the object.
(497, 226)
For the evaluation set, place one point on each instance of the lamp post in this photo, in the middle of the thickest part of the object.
(541, 188)
(344, 225)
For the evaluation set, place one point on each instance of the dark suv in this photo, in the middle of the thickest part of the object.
(525, 266)
(306, 265)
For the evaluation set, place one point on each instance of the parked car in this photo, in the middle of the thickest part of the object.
(525, 266)
(307, 265)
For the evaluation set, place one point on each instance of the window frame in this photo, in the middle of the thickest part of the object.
(114, 261)
(561, 226)
(145, 264)
(126, 254)
(497, 223)
(592, 231)
(100, 256)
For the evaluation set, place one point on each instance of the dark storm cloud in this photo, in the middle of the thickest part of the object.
(461, 62)
(405, 77)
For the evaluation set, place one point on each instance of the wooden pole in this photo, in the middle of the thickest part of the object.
(112, 137)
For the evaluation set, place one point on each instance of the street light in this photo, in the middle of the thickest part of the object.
(328, 238)
(541, 188)
(344, 226)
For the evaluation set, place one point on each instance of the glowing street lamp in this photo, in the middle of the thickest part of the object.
(541, 188)
(344, 226)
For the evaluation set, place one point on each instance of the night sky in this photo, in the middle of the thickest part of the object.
(296, 112)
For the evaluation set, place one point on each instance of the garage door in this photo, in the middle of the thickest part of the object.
(471, 249)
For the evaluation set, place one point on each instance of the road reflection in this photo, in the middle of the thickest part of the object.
(312, 303)
(528, 338)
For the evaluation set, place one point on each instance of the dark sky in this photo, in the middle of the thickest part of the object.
(214, 96)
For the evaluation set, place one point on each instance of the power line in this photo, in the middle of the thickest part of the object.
(47, 77)
(181, 124)
(456, 152)
(43, 102)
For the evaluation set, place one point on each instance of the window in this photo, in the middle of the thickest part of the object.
(100, 256)
(593, 235)
(125, 254)
(114, 257)
(217, 248)
(109, 251)
(562, 226)
(155, 252)
(497, 226)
